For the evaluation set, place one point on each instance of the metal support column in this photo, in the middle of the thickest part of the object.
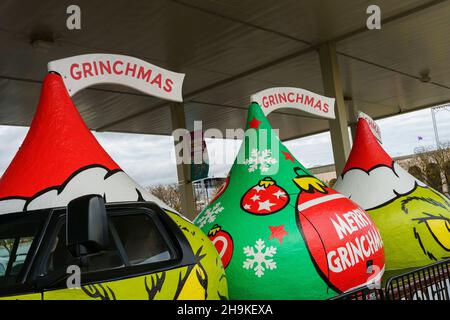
(436, 133)
(183, 170)
(333, 88)
(353, 113)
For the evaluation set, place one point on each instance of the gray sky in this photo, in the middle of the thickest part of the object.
(149, 159)
(399, 134)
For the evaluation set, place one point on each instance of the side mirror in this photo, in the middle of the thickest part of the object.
(86, 225)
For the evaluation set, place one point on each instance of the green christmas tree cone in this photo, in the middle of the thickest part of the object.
(413, 219)
(283, 234)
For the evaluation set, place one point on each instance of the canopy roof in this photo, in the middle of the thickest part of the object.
(229, 50)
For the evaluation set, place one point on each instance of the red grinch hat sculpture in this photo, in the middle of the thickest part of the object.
(414, 219)
(61, 160)
(281, 232)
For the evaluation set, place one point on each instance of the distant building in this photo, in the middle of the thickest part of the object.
(206, 189)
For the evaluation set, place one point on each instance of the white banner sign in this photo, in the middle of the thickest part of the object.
(372, 125)
(87, 70)
(294, 98)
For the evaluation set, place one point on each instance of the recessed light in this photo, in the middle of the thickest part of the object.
(42, 41)
(425, 76)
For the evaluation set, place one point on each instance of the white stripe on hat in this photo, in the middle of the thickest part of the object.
(315, 202)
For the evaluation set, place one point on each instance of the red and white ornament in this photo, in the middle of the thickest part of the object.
(223, 242)
(265, 198)
(342, 240)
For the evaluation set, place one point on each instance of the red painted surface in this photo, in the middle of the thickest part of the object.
(334, 252)
(223, 242)
(275, 198)
(57, 144)
(366, 144)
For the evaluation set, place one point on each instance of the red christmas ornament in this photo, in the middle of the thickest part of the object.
(265, 198)
(223, 242)
(342, 240)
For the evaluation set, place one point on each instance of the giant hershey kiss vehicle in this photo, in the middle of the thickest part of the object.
(281, 232)
(54, 220)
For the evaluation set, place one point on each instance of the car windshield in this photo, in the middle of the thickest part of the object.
(17, 234)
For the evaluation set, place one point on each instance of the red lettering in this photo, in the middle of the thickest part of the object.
(318, 105)
(105, 67)
(168, 85)
(291, 97)
(157, 80)
(144, 75)
(271, 100)
(117, 71)
(87, 69)
(325, 107)
(299, 98)
(131, 69)
(95, 68)
(309, 101)
(75, 74)
(264, 102)
(282, 97)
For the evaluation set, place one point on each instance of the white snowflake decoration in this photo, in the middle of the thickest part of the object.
(210, 215)
(256, 259)
(262, 159)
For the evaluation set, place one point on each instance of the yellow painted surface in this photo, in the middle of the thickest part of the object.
(30, 296)
(415, 229)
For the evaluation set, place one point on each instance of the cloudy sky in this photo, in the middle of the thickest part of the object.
(150, 159)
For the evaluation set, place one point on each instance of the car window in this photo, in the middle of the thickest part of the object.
(142, 241)
(60, 257)
(13, 254)
(17, 234)
(135, 239)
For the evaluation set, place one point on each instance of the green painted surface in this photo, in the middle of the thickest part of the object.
(289, 272)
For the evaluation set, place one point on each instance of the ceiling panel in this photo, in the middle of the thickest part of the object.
(380, 92)
(313, 21)
(216, 43)
(159, 31)
(152, 122)
(409, 45)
